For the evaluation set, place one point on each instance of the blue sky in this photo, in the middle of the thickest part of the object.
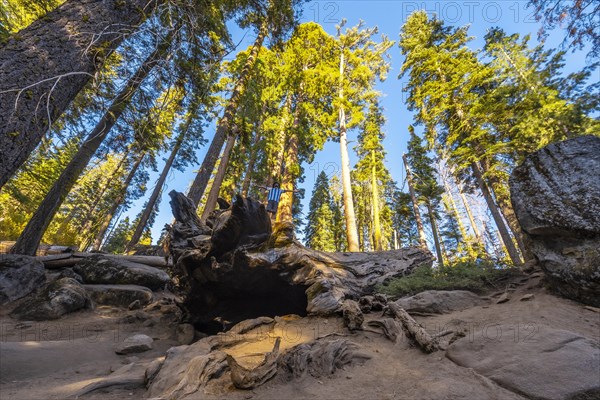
(389, 15)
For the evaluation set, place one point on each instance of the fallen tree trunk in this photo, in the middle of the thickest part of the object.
(237, 267)
(70, 259)
(413, 329)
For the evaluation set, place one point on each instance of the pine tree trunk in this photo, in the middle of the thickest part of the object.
(436, 238)
(116, 204)
(502, 229)
(509, 215)
(277, 162)
(375, 193)
(413, 197)
(253, 155)
(351, 231)
(454, 209)
(44, 66)
(88, 219)
(33, 232)
(215, 189)
(470, 215)
(286, 204)
(224, 126)
(139, 229)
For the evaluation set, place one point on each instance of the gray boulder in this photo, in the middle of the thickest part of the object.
(135, 344)
(19, 276)
(440, 301)
(537, 361)
(119, 295)
(56, 299)
(117, 271)
(556, 197)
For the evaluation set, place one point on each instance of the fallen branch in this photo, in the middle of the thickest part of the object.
(413, 329)
(442, 334)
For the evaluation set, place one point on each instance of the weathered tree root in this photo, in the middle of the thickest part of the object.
(129, 376)
(199, 372)
(353, 316)
(413, 329)
(319, 358)
(244, 378)
(389, 326)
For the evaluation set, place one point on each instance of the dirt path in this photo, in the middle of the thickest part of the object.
(51, 360)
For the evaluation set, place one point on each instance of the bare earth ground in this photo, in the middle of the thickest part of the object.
(52, 360)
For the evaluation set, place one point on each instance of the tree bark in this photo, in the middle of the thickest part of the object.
(465, 202)
(285, 210)
(508, 213)
(253, 155)
(375, 194)
(33, 232)
(224, 126)
(413, 197)
(139, 229)
(213, 195)
(461, 226)
(436, 238)
(351, 230)
(44, 66)
(502, 229)
(116, 204)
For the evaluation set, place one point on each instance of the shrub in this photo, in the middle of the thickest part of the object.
(475, 276)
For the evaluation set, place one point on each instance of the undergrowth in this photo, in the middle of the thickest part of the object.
(464, 275)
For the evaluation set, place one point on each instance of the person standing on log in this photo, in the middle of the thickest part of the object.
(275, 193)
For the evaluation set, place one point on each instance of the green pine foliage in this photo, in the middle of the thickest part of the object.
(371, 159)
(319, 232)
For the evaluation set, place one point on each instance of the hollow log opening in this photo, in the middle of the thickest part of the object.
(263, 294)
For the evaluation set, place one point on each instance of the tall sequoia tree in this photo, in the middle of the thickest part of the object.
(362, 61)
(33, 232)
(267, 17)
(308, 63)
(44, 66)
(372, 170)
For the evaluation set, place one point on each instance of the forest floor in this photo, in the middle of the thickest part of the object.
(54, 359)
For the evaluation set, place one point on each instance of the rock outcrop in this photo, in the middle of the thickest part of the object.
(19, 276)
(534, 360)
(58, 298)
(440, 301)
(115, 270)
(556, 197)
(135, 344)
(119, 295)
